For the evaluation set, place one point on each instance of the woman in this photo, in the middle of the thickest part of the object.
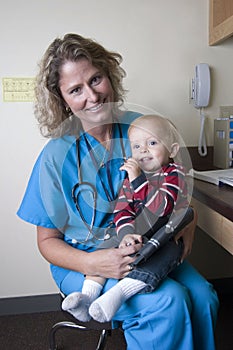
(72, 189)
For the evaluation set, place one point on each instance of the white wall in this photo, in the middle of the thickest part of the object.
(161, 42)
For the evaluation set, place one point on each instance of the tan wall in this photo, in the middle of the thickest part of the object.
(161, 42)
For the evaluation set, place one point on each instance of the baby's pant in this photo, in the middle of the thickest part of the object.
(159, 265)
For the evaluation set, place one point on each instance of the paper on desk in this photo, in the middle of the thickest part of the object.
(215, 177)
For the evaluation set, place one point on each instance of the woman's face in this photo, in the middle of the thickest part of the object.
(87, 91)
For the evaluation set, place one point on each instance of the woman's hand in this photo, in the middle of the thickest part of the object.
(108, 263)
(188, 236)
(112, 263)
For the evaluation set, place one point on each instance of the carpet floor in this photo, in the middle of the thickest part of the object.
(31, 331)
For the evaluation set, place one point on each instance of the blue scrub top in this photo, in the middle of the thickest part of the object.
(48, 198)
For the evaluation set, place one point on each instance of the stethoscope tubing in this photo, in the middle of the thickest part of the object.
(76, 190)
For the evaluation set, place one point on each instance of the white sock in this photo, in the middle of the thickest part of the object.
(104, 308)
(77, 304)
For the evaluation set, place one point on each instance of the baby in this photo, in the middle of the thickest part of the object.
(154, 188)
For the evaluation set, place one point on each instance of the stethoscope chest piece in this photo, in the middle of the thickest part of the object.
(88, 192)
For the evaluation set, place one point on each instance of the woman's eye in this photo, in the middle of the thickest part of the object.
(96, 80)
(76, 90)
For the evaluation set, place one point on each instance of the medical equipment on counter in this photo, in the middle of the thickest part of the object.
(223, 142)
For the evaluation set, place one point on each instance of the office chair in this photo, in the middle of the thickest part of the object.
(173, 226)
(104, 328)
(72, 323)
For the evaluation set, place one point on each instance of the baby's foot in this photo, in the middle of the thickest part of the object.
(77, 304)
(104, 308)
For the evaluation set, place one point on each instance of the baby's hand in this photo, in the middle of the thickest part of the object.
(130, 239)
(132, 168)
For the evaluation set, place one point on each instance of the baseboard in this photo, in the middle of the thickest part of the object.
(52, 302)
(30, 304)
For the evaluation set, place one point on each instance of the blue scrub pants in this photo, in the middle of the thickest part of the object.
(180, 314)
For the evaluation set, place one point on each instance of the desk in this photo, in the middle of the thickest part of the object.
(214, 206)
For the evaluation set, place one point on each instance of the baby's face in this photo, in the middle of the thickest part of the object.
(148, 150)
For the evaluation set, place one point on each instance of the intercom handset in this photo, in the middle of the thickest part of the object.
(200, 94)
(201, 85)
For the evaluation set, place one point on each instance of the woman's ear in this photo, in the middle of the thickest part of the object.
(174, 149)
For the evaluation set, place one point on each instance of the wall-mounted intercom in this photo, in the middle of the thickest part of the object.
(201, 85)
(200, 94)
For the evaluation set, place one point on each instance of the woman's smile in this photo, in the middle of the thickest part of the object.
(96, 108)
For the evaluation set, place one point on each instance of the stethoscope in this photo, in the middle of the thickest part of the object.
(91, 189)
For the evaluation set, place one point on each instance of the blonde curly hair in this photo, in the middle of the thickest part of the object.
(50, 108)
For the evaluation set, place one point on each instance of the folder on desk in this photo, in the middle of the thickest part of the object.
(216, 177)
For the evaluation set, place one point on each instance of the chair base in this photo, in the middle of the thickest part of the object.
(66, 324)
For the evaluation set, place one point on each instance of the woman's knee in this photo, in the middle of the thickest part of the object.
(206, 300)
(170, 299)
(178, 295)
(198, 287)
(72, 282)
